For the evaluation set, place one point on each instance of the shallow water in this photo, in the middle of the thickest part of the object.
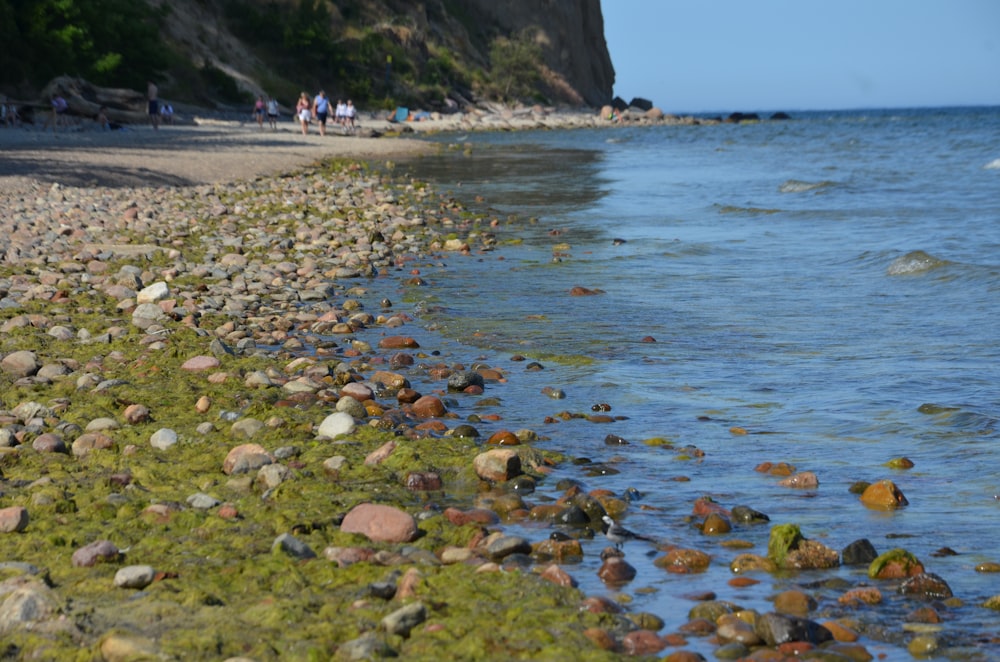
(830, 284)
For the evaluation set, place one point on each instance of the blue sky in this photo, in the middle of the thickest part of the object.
(769, 55)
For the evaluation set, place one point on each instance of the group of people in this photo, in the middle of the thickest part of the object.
(318, 109)
(9, 116)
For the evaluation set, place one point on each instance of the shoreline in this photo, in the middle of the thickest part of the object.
(213, 148)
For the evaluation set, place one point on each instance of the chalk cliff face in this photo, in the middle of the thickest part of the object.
(571, 36)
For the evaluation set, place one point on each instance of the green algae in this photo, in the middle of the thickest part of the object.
(784, 539)
(221, 589)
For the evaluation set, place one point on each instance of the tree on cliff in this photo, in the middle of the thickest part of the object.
(109, 42)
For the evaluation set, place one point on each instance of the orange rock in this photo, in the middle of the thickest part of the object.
(503, 438)
(868, 595)
(742, 582)
(600, 638)
(883, 495)
(840, 632)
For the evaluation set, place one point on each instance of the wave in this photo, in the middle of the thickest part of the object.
(914, 262)
(992, 165)
(799, 186)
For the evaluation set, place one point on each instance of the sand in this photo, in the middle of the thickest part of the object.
(179, 155)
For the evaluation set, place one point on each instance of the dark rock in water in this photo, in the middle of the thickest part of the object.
(615, 440)
(743, 117)
(465, 430)
(573, 515)
(459, 381)
(640, 103)
(778, 629)
(506, 546)
(859, 552)
(781, 116)
(747, 515)
(926, 585)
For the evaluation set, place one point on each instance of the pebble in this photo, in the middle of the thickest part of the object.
(96, 552)
(335, 425)
(13, 519)
(135, 576)
(380, 523)
(163, 439)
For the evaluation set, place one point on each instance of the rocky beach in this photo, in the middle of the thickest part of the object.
(226, 437)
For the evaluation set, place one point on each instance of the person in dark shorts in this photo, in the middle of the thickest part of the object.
(152, 95)
(321, 110)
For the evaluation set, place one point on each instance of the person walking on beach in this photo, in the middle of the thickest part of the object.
(341, 113)
(152, 96)
(302, 112)
(59, 108)
(272, 113)
(350, 112)
(258, 111)
(320, 110)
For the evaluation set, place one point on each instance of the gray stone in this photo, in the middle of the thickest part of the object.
(163, 439)
(404, 619)
(202, 501)
(135, 576)
(292, 546)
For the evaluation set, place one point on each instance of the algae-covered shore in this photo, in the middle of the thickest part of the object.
(227, 435)
(201, 383)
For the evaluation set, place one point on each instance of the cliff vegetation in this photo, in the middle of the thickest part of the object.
(222, 53)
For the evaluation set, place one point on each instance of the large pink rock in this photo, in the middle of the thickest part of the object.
(497, 465)
(380, 523)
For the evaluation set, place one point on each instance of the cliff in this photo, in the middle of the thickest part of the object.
(442, 51)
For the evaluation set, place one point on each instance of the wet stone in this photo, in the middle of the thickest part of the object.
(859, 552)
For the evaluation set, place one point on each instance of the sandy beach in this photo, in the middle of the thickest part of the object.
(182, 155)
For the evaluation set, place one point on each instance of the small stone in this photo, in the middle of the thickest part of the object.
(13, 519)
(642, 642)
(202, 501)
(163, 439)
(153, 293)
(22, 363)
(404, 619)
(497, 465)
(245, 458)
(292, 546)
(380, 523)
(429, 406)
(616, 571)
(505, 545)
(883, 495)
(135, 576)
(200, 363)
(100, 551)
(335, 425)
(49, 442)
(135, 414)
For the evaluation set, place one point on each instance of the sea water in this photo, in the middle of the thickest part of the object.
(822, 291)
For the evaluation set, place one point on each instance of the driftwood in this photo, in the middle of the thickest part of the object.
(85, 100)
